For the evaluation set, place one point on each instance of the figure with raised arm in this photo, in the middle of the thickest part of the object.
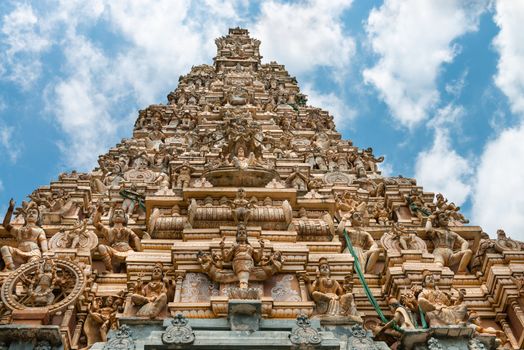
(31, 239)
(118, 237)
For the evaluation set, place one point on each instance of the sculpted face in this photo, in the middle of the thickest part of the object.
(241, 234)
(32, 215)
(429, 281)
(356, 219)
(241, 193)
(157, 272)
(443, 219)
(241, 153)
(324, 269)
(119, 216)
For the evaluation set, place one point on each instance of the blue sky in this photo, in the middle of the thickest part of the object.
(434, 86)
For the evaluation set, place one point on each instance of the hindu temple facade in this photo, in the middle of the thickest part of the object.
(237, 217)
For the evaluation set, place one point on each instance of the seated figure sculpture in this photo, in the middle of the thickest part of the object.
(364, 245)
(440, 308)
(444, 241)
(151, 297)
(30, 237)
(332, 301)
(118, 238)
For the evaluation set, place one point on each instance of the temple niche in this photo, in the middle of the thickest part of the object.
(237, 215)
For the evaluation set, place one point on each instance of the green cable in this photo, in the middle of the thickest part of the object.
(362, 279)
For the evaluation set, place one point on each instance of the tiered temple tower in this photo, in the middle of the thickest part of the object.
(237, 217)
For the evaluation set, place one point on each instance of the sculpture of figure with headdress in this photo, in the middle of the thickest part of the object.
(31, 239)
(331, 299)
(118, 238)
(444, 241)
(243, 255)
(441, 308)
(151, 297)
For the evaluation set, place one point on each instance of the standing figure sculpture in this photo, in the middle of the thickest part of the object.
(331, 300)
(243, 255)
(365, 247)
(118, 238)
(444, 241)
(30, 237)
(151, 297)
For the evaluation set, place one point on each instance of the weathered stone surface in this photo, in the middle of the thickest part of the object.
(229, 208)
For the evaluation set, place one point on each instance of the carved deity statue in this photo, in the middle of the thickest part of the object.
(241, 207)
(151, 297)
(403, 316)
(41, 286)
(444, 241)
(102, 318)
(442, 204)
(400, 238)
(505, 243)
(31, 239)
(243, 255)
(441, 308)
(248, 263)
(416, 204)
(118, 237)
(332, 301)
(364, 246)
(72, 237)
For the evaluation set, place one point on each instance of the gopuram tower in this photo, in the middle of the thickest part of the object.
(236, 217)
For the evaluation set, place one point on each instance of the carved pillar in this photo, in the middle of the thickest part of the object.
(507, 329)
(302, 284)
(179, 278)
(78, 329)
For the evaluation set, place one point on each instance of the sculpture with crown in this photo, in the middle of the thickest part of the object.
(236, 208)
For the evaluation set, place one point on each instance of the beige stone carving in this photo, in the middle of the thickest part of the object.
(118, 238)
(248, 263)
(78, 237)
(333, 303)
(400, 238)
(102, 317)
(444, 242)
(441, 308)
(151, 297)
(364, 245)
(31, 239)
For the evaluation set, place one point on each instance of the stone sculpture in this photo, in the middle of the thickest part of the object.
(441, 308)
(364, 246)
(444, 241)
(118, 237)
(151, 297)
(333, 303)
(31, 239)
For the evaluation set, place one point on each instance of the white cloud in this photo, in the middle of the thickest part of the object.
(413, 40)
(342, 114)
(159, 41)
(305, 35)
(7, 145)
(441, 168)
(498, 202)
(498, 184)
(455, 87)
(510, 45)
(21, 42)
